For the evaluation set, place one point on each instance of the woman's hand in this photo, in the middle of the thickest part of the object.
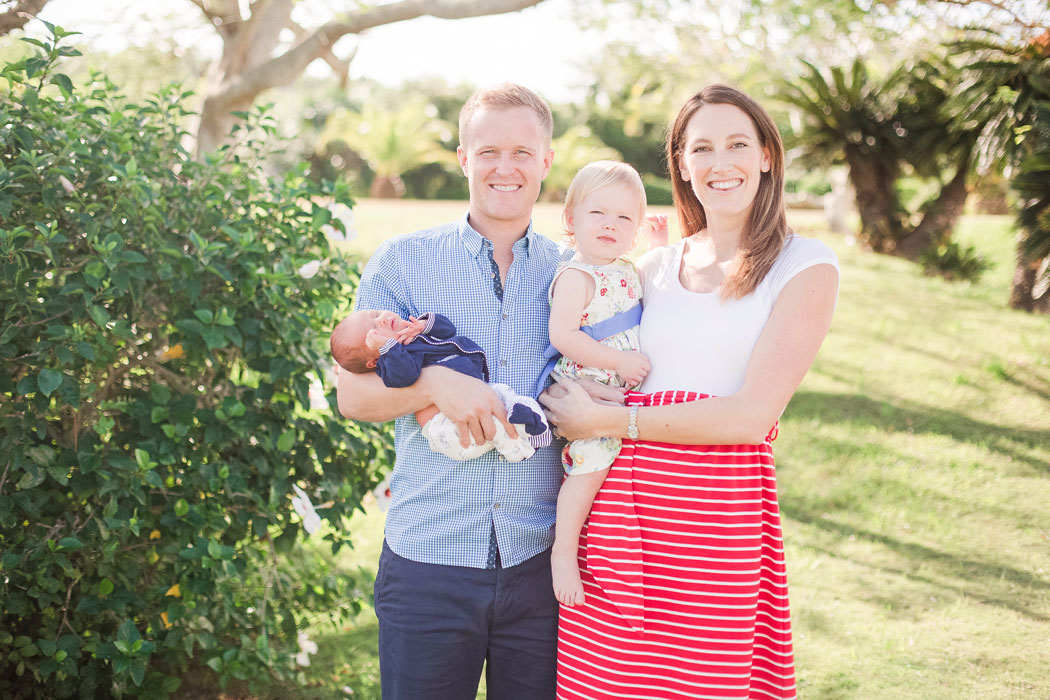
(569, 407)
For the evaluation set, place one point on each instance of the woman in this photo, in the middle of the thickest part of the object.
(682, 557)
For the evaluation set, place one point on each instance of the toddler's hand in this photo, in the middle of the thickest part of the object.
(632, 367)
(407, 334)
(654, 228)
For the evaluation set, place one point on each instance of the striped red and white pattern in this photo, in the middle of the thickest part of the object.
(682, 562)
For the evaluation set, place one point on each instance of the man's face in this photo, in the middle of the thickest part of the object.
(505, 156)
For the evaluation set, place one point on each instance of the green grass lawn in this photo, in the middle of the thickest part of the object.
(914, 473)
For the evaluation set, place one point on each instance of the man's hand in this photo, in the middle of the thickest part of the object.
(469, 403)
(632, 367)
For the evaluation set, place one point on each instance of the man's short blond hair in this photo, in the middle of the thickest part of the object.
(598, 174)
(507, 96)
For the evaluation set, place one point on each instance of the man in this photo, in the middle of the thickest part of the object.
(464, 576)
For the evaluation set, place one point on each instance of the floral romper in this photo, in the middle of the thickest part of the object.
(617, 288)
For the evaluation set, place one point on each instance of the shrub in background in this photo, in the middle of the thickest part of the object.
(953, 262)
(162, 321)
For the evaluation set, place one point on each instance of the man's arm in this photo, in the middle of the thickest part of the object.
(467, 401)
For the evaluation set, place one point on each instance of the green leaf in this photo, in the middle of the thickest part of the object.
(85, 350)
(63, 82)
(286, 441)
(205, 315)
(181, 507)
(214, 549)
(224, 318)
(214, 338)
(160, 393)
(33, 477)
(128, 632)
(48, 380)
(105, 587)
(47, 647)
(142, 458)
(138, 671)
(41, 454)
(99, 316)
(70, 544)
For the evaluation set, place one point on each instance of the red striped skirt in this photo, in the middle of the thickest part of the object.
(682, 562)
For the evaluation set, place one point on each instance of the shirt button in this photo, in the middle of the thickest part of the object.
(504, 317)
(495, 506)
(503, 363)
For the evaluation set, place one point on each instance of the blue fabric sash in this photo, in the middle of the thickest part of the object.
(599, 331)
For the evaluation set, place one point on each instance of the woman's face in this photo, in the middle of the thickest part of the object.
(723, 160)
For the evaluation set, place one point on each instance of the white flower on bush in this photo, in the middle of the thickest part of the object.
(302, 505)
(345, 214)
(309, 269)
(306, 647)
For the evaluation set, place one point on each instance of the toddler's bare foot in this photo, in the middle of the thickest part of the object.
(565, 570)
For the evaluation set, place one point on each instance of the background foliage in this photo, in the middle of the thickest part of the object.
(163, 321)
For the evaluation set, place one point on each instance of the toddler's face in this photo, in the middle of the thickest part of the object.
(604, 223)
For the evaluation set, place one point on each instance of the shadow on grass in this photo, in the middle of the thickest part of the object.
(966, 576)
(892, 417)
(1033, 384)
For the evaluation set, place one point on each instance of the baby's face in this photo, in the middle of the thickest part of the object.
(374, 328)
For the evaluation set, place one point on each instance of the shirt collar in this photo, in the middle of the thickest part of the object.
(475, 242)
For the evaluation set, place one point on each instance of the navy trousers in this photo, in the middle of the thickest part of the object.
(438, 625)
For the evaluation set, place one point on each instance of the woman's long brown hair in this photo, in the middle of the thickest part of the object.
(766, 228)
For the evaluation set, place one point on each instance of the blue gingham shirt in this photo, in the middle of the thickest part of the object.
(445, 511)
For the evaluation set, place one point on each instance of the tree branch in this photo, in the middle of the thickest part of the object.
(225, 15)
(283, 69)
(1004, 7)
(4, 477)
(20, 12)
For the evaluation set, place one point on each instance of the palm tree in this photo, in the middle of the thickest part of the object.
(392, 141)
(1009, 94)
(883, 129)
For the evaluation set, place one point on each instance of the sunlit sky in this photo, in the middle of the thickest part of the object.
(541, 47)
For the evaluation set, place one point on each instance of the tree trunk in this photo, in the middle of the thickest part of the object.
(880, 224)
(1025, 285)
(20, 12)
(387, 187)
(939, 221)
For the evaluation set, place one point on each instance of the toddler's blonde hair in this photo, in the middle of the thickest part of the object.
(593, 177)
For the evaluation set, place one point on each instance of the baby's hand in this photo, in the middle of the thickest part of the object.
(654, 228)
(632, 367)
(374, 340)
(407, 334)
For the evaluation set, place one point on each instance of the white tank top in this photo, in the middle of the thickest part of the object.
(696, 341)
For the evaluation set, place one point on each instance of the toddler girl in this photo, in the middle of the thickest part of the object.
(595, 307)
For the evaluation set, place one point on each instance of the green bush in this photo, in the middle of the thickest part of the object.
(159, 335)
(953, 262)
